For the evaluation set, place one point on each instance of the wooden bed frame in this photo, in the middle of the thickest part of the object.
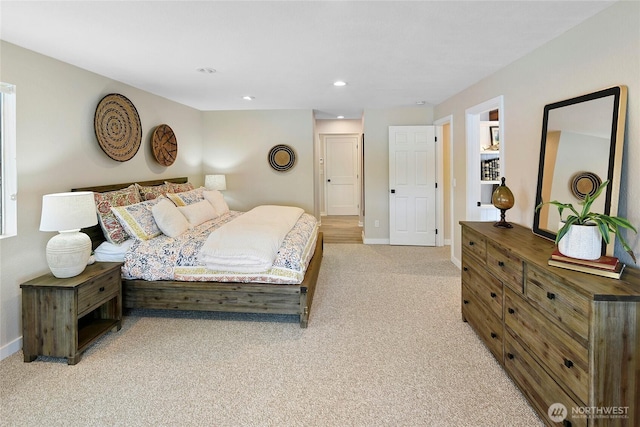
(216, 296)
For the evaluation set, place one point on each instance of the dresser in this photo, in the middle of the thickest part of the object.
(62, 317)
(569, 340)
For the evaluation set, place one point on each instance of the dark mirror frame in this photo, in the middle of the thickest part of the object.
(618, 116)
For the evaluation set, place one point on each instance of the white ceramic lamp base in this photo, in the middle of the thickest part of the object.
(68, 253)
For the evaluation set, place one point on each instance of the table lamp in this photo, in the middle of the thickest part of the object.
(68, 252)
(215, 182)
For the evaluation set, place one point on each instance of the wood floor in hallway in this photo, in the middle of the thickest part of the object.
(341, 229)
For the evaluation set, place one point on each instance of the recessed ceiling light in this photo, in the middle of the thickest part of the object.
(420, 102)
(339, 83)
(205, 70)
(248, 98)
(341, 117)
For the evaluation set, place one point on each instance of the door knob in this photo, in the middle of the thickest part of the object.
(393, 191)
(328, 180)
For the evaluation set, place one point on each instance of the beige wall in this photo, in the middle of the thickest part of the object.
(376, 163)
(237, 144)
(57, 150)
(603, 51)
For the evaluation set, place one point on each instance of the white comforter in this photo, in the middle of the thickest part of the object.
(250, 242)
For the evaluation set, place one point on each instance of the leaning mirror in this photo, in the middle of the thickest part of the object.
(582, 140)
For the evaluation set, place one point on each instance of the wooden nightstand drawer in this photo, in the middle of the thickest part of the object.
(486, 324)
(505, 265)
(487, 288)
(569, 309)
(565, 357)
(97, 291)
(474, 244)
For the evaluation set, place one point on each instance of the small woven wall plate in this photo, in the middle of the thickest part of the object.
(585, 183)
(282, 157)
(117, 126)
(164, 145)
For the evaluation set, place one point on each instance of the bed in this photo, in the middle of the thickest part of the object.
(203, 295)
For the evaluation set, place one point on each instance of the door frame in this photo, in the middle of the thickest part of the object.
(439, 124)
(323, 170)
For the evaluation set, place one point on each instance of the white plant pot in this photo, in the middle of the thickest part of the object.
(581, 241)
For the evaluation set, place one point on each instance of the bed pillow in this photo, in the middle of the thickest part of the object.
(187, 197)
(111, 227)
(150, 192)
(137, 220)
(169, 219)
(173, 187)
(197, 213)
(216, 199)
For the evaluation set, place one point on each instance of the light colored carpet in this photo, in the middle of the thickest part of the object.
(385, 346)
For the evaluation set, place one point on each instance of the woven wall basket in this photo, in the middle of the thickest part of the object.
(281, 157)
(164, 145)
(117, 126)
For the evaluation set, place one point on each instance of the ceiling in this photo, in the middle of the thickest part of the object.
(287, 54)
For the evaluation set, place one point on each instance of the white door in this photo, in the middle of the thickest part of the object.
(412, 185)
(341, 162)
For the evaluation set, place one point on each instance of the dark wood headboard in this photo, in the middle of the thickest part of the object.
(95, 233)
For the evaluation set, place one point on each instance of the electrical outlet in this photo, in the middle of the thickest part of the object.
(376, 223)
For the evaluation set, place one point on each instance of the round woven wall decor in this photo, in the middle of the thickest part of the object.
(282, 157)
(585, 183)
(164, 145)
(117, 126)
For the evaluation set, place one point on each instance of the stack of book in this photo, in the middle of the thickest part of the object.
(606, 266)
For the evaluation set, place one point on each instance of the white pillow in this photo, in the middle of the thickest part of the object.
(197, 213)
(169, 219)
(217, 201)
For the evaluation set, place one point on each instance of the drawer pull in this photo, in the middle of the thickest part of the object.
(568, 363)
(494, 335)
(101, 288)
(510, 356)
(551, 295)
(465, 269)
(493, 295)
(471, 243)
(500, 264)
(511, 310)
(466, 301)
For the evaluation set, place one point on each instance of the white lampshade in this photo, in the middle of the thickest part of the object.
(69, 251)
(215, 182)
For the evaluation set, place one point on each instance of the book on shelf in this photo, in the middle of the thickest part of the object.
(614, 274)
(604, 262)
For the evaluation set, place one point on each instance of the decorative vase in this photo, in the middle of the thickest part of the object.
(581, 241)
(502, 198)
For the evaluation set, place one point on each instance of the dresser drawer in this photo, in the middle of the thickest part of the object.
(96, 292)
(541, 389)
(505, 265)
(474, 245)
(565, 306)
(487, 288)
(565, 358)
(485, 323)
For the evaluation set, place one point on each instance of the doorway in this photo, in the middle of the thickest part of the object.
(342, 174)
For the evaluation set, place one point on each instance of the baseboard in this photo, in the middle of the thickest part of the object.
(374, 241)
(447, 242)
(13, 347)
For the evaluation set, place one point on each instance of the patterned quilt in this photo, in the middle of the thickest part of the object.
(167, 258)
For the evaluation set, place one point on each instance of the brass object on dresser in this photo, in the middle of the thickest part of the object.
(62, 317)
(569, 340)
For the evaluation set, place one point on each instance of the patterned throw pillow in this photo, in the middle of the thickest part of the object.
(187, 197)
(137, 220)
(151, 192)
(111, 227)
(179, 188)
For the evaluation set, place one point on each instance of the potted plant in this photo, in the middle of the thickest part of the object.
(593, 224)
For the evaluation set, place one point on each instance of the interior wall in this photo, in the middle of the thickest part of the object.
(57, 150)
(601, 52)
(237, 143)
(376, 164)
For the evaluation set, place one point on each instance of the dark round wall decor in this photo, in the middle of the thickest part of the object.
(282, 157)
(584, 183)
(117, 127)
(164, 145)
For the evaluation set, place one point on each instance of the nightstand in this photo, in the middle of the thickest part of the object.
(62, 317)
